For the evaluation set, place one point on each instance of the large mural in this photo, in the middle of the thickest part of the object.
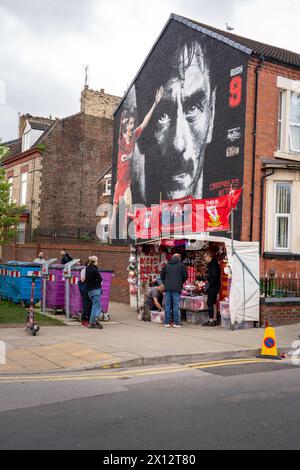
(180, 130)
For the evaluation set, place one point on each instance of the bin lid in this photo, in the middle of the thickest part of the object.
(57, 266)
(23, 264)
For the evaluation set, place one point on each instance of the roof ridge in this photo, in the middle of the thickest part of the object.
(238, 36)
(270, 51)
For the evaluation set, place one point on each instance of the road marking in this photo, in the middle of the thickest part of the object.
(131, 373)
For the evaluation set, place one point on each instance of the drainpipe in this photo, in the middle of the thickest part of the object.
(257, 70)
(261, 218)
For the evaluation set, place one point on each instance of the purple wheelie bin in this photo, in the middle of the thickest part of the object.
(75, 296)
(55, 290)
(106, 286)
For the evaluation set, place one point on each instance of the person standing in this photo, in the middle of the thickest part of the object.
(173, 276)
(66, 258)
(214, 284)
(93, 281)
(86, 301)
(40, 259)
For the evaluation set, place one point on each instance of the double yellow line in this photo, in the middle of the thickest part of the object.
(128, 374)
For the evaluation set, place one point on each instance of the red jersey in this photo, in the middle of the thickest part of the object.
(125, 156)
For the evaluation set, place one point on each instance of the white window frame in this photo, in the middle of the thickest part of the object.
(26, 137)
(279, 215)
(108, 183)
(21, 233)
(105, 232)
(104, 229)
(286, 88)
(294, 124)
(23, 192)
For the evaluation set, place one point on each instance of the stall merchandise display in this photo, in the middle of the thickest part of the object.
(193, 303)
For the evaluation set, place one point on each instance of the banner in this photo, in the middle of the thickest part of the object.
(147, 223)
(177, 216)
(212, 215)
(186, 216)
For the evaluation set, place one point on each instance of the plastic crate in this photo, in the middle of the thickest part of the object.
(157, 317)
(197, 318)
(194, 303)
(226, 322)
(245, 325)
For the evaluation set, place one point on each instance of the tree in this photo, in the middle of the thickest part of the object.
(3, 149)
(9, 211)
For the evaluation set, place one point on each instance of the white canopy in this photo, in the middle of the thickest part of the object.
(243, 259)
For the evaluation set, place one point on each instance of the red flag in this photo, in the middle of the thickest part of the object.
(235, 195)
(147, 223)
(211, 215)
(177, 216)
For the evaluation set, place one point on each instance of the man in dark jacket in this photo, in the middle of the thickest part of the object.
(66, 258)
(214, 285)
(173, 276)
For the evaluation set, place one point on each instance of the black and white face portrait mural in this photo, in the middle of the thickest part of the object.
(184, 125)
(189, 120)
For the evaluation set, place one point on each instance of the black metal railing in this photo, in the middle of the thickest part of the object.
(280, 287)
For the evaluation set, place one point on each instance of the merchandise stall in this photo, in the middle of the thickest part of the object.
(238, 302)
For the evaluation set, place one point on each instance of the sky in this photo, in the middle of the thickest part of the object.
(45, 45)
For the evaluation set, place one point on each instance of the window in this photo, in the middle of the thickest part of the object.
(288, 118)
(10, 181)
(105, 233)
(26, 137)
(283, 195)
(280, 118)
(295, 123)
(21, 232)
(107, 186)
(23, 189)
(104, 229)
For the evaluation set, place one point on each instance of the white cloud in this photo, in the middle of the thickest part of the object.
(45, 46)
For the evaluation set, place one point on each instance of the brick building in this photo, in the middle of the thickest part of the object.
(23, 164)
(249, 95)
(54, 169)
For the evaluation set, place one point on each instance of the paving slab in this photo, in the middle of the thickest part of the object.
(125, 341)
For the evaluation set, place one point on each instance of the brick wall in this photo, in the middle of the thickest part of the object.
(266, 145)
(98, 103)
(77, 151)
(280, 313)
(110, 257)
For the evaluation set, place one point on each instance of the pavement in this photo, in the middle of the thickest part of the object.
(127, 342)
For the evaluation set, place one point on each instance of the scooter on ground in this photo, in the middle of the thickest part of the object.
(31, 326)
